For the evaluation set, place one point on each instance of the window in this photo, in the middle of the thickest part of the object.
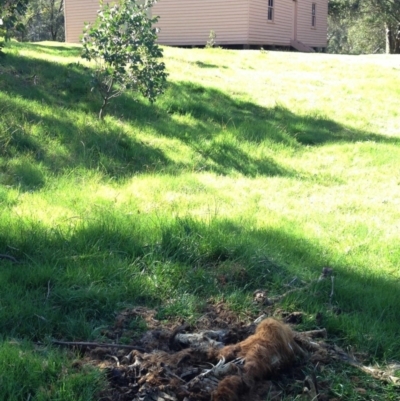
(270, 10)
(313, 15)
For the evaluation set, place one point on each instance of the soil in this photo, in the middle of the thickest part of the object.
(162, 369)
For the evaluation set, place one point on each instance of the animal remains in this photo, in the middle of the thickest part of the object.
(270, 349)
(200, 367)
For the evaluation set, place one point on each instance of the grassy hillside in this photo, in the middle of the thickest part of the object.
(253, 168)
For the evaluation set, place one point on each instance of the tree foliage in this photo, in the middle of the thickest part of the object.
(33, 20)
(10, 10)
(364, 26)
(10, 13)
(43, 20)
(122, 42)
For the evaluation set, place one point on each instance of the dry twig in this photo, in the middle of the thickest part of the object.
(102, 345)
(8, 257)
(48, 291)
(339, 354)
(260, 296)
(331, 294)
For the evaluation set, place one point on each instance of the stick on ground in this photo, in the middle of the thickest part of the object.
(8, 257)
(103, 345)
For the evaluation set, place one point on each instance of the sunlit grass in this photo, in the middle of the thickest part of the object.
(257, 166)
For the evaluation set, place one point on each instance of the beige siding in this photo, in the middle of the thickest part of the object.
(189, 22)
(77, 12)
(276, 32)
(306, 34)
(242, 22)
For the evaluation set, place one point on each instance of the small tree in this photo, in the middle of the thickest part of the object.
(122, 42)
(212, 40)
(10, 12)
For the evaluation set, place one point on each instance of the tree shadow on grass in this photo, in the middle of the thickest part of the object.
(216, 127)
(62, 86)
(97, 147)
(105, 146)
(201, 64)
(254, 123)
(50, 48)
(108, 262)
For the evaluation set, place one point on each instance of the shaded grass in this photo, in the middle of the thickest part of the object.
(43, 374)
(78, 278)
(230, 182)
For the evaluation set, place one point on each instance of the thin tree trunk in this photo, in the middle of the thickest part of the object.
(107, 96)
(397, 40)
(392, 39)
(104, 105)
(52, 19)
(389, 39)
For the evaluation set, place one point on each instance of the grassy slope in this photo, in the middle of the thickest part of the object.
(254, 166)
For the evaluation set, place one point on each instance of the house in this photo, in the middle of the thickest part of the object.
(301, 24)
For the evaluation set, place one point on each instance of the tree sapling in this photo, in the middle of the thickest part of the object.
(122, 42)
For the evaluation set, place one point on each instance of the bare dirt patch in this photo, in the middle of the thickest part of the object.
(220, 357)
(173, 361)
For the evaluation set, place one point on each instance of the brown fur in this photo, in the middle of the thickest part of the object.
(271, 348)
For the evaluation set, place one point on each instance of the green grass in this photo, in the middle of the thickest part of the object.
(42, 374)
(257, 166)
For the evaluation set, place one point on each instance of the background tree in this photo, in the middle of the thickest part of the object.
(43, 20)
(10, 13)
(122, 42)
(367, 26)
(389, 10)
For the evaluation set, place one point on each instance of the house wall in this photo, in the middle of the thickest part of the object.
(315, 37)
(277, 32)
(284, 28)
(77, 12)
(189, 22)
